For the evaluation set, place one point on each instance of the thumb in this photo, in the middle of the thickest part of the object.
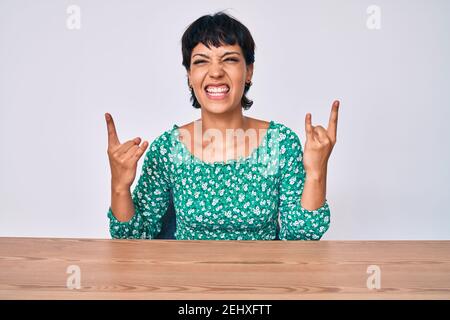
(141, 150)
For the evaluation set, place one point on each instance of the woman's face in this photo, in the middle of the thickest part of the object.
(218, 77)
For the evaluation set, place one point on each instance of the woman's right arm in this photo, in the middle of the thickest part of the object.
(136, 214)
(122, 203)
(123, 160)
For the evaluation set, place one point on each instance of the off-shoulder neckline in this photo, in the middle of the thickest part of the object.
(240, 159)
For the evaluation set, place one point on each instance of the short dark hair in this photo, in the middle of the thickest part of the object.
(219, 28)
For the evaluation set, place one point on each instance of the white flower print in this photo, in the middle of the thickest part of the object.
(235, 200)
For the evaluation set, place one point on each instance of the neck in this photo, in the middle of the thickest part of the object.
(233, 119)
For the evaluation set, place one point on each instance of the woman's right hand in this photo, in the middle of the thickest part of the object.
(123, 158)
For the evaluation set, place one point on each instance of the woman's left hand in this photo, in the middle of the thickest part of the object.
(319, 143)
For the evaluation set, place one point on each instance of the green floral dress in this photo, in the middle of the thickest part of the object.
(239, 199)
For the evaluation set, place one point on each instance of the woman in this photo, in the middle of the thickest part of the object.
(271, 183)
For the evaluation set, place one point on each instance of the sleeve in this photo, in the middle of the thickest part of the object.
(297, 223)
(150, 199)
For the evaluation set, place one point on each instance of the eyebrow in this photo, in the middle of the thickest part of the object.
(225, 54)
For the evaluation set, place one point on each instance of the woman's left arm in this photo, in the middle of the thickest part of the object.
(318, 146)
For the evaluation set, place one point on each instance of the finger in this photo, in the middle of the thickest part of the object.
(321, 133)
(141, 150)
(133, 149)
(130, 152)
(113, 140)
(309, 127)
(332, 123)
(127, 145)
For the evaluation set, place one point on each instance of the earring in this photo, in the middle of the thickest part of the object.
(249, 83)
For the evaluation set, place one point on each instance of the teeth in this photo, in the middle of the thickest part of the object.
(217, 89)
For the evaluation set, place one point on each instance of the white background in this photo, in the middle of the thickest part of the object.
(388, 175)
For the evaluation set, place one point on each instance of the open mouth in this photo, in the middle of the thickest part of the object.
(217, 92)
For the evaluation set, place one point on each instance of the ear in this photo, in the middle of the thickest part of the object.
(188, 77)
(249, 72)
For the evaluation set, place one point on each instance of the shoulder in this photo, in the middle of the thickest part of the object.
(185, 132)
(164, 138)
(285, 134)
(160, 145)
(280, 134)
(257, 124)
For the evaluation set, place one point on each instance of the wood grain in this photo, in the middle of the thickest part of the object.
(35, 268)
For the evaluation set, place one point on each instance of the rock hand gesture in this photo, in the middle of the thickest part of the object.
(319, 143)
(123, 158)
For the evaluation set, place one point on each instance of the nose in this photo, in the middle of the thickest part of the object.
(216, 70)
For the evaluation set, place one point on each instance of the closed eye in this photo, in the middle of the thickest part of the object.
(228, 59)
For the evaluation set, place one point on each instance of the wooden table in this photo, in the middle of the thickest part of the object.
(36, 268)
